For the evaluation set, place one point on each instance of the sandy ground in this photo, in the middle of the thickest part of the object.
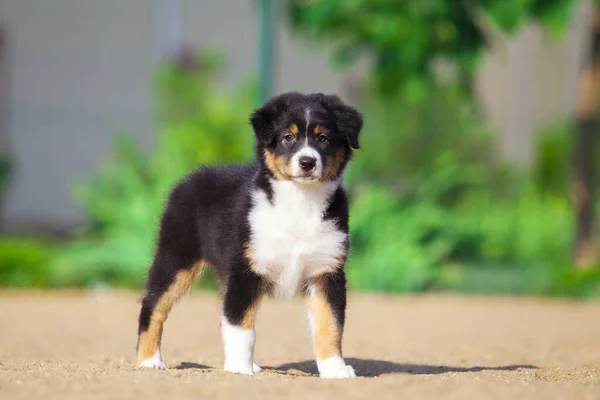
(81, 346)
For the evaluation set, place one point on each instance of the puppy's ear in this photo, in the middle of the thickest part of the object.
(348, 119)
(262, 122)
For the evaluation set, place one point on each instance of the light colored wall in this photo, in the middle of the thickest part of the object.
(79, 72)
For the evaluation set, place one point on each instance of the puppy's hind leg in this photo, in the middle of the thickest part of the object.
(169, 278)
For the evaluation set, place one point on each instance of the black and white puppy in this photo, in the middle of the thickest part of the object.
(275, 227)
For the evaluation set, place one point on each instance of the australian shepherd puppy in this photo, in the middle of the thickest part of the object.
(275, 227)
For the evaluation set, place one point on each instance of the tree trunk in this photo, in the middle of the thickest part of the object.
(585, 251)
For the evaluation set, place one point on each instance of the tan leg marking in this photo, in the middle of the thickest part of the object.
(149, 341)
(327, 334)
(250, 315)
(249, 253)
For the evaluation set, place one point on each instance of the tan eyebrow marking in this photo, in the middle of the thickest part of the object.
(319, 129)
(294, 129)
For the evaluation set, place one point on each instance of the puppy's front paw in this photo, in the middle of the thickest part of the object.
(240, 367)
(335, 368)
(239, 348)
(154, 362)
(256, 368)
(339, 373)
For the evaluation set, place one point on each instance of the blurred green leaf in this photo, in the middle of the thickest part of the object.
(25, 262)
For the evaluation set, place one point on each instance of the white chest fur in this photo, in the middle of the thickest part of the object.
(290, 241)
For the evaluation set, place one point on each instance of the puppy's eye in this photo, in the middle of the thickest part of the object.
(323, 139)
(288, 138)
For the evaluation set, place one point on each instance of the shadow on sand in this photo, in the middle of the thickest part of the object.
(191, 365)
(374, 368)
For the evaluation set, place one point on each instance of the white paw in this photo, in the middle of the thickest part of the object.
(240, 368)
(335, 368)
(239, 348)
(155, 362)
(341, 373)
(256, 368)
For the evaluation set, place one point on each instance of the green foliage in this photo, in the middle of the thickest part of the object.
(510, 15)
(200, 125)
(553, 161)
(405, 39)
(553, 14)
(397, 244)
(433, 209)
(24, 263)
(417, 241)
(407, 140)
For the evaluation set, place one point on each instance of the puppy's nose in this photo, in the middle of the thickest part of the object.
(307, 163)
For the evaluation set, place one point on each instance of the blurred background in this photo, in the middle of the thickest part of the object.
(479, 157)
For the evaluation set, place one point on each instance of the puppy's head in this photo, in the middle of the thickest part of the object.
(306, 138)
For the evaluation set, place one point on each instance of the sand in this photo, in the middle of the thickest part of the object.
(75, 345)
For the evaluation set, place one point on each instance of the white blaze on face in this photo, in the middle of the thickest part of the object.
(307, 151)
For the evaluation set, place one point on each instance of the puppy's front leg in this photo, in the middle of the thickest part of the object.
(243, 293)
(326, 303)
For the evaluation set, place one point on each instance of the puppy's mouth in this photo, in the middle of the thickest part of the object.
(305, 178)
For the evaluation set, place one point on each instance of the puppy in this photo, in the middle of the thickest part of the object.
(275, 227)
